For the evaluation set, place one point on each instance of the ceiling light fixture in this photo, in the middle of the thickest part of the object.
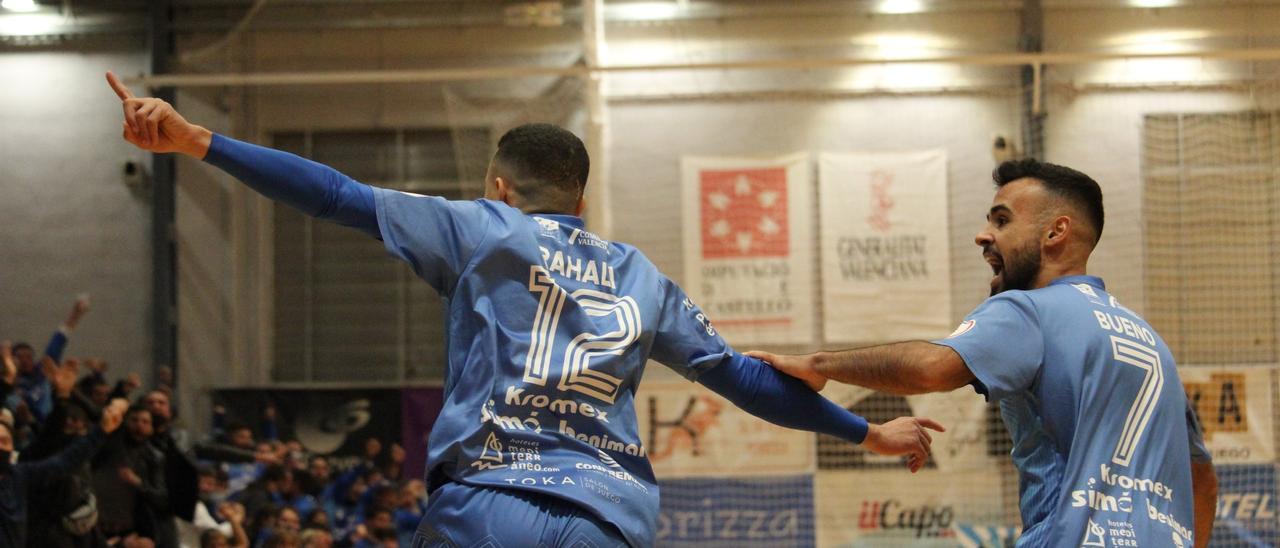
(20, 6)
(901, 6)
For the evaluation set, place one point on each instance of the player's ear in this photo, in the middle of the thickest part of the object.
(1058, 230)
(504, 189)
(582, 206)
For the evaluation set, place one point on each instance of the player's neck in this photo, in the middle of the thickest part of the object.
(1049, 273)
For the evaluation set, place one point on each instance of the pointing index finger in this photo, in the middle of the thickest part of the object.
(116, 85)
(931, 424)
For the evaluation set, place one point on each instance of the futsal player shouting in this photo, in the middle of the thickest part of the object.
(1108, 451)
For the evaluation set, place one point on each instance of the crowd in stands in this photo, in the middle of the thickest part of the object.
(70, 478)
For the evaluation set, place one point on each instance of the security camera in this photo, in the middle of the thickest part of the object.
(1003, 149)
(135, 175)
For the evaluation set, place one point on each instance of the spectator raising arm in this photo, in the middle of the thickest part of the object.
(10, 367)
(61, 463)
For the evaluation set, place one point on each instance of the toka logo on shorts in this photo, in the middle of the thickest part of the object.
(744, 213)
(963, 328)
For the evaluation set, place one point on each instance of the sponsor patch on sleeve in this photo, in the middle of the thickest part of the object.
(963, 328)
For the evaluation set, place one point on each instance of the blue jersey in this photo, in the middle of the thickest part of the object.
(1103, 439)
(549, 330)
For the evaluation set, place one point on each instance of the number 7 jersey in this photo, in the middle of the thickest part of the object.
(549, 331)
(1103, 438)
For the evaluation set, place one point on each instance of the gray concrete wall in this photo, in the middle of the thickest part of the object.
(70, 223)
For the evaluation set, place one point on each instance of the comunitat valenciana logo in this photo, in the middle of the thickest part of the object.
(963, 328)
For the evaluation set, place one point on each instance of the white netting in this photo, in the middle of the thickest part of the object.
(1209, 204)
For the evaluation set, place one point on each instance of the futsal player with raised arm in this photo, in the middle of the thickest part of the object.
(1107, 449)
(549, 330)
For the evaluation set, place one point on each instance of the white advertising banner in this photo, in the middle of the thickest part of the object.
(898, 508)
(1235, 408)
(748, 246)
(690, 431)
(886, 272)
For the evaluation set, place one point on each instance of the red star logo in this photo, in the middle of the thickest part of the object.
(744, 213)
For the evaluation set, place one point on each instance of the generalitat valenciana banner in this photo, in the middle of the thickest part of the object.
(886, 273)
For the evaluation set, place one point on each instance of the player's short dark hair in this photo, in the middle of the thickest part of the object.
(137, 408)
(1070, 185)
(549, 165)
(19, 346)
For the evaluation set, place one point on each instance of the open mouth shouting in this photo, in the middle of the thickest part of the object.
(997, 265)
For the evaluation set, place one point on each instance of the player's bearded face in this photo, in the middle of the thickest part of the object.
(1015, 268)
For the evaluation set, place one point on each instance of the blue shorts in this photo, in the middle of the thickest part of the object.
(465, 516)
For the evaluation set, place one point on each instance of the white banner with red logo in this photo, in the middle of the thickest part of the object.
(690, 431)
(886, 269)
(748, 246)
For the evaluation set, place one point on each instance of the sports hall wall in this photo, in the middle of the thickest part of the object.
(1093, 121)
(65, 202)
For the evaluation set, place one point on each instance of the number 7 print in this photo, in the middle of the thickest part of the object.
(1144, 404)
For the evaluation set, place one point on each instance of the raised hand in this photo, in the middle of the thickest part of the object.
(10, 366)
(800, 367)
(131, 382)
(78, 310)
(62, 378)
(903, 436)
(113, 415)
(232, 512)
(153, 125)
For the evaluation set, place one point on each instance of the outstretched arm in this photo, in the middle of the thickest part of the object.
(914, 367)
(764, 392)
(312, 188)
(58, 343)
(79, 450)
